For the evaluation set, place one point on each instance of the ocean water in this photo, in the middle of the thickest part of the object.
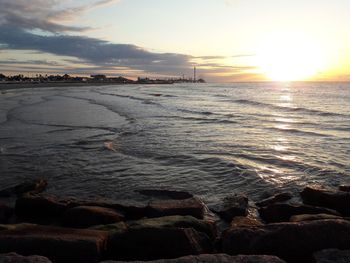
(210, 139)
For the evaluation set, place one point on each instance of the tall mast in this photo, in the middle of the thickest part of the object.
(194, 74)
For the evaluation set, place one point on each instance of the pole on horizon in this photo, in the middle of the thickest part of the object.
(194, 74)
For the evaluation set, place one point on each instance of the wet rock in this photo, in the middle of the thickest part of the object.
(131, 210)
(332, 256)
(35, 186)
(214, 258)
(6, 213)
(117, 228)
(15, 258)
(344, 188)
(231, 206)
(319, 196)
(241, 221)
(283, 212)
(150, 243)
(178, 222)
(165, 194)
(61, 245)
(278, 198)
(86, 216)
(293, 242)
(300, 218)
(192, 207)
(16, 226)
(40, 206)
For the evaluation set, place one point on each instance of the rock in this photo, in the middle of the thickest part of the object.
(240, 221)
(117, 228)
(316, 195)
(332, 256)
(293, 242)
(15, 258)
(344, 188)
(214, 258)
(40, 206)
(165, 194)
(6, 213)
(150, 243)
(43, 206)
(206, 227)
(131, 210)
(283, 212)
(282, 197)
(192, 207)
(308, 217)
(35, 186)
(86, 216)
(234, 205)
(61, 245)
(16, 226)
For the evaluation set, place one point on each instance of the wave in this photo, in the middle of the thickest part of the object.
(286, 108)
(299, 132)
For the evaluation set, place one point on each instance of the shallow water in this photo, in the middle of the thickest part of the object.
(212, 139)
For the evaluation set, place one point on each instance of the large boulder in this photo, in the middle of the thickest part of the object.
(131, 210)
(231, 206)
(283, 212)
(15, 258)
(338, 200)
(241, 221)
(61, 245)
(278, 198)
(117, 228)
(40, 206)
(332, 256)
(34, 186)
(344, 188)
(306, 217)
(86, 216)
(150, 243)
(191, 206)
(294, 242)
(165, 194)
(6, 213)
(214, 258)
(207, 227)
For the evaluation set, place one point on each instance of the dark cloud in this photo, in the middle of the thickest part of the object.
(94, 51)
(45, 15)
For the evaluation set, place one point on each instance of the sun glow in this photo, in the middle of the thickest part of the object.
(290, 57)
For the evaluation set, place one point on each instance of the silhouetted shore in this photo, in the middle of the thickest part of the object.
(9, 86)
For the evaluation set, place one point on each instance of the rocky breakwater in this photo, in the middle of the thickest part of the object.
(171, 226)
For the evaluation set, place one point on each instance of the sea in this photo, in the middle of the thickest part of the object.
(212, 140)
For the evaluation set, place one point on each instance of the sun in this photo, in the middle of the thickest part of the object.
(290, 57)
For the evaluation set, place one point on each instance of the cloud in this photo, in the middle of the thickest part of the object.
(45, 15)
(93, 50)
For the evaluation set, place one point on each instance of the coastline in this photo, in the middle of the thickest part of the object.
(12, 86)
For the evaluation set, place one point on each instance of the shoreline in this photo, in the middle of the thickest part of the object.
(13, 86)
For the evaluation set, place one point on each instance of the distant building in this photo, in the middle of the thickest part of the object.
(99, 77)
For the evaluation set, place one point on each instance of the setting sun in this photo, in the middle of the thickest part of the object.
(290, 57)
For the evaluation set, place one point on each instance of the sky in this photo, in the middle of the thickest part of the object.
(227, 40)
